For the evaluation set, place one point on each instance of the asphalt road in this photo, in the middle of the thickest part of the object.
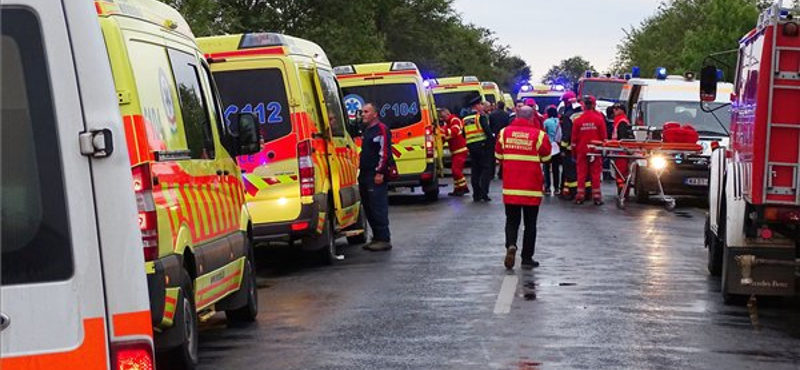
(616, 290)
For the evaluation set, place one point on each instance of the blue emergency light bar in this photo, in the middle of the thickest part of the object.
(636, 72)
(588, 74)
(720, 75)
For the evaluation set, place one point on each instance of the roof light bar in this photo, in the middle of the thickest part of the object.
(259, 40)
(470, 79)
(344, 70)
(404, 66)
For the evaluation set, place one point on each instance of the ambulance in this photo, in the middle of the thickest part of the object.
(405, 105)
(196, 229)
(544, 95)
(491, 92)
(652, 102)
(508, 100)
(302, 185)
(455, 93)
(73, 286)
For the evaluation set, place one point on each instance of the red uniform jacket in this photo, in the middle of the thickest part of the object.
(454, 134)
(521, 148)
(591, 125)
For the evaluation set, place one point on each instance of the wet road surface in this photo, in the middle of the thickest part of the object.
(616, 290)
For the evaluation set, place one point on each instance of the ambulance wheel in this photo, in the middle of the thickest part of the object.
(326, 254)
(361, 224)
(185, 356)
(431, 191)
(249, 311)
(670, 205)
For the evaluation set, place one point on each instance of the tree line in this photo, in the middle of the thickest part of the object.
(428, 32)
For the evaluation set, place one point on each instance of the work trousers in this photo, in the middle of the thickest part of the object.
(457, 166)
(375, 199)
(589, 166)
(622, 176)
(482, 157)
(569, 175)
(514, 216)
(552, 173)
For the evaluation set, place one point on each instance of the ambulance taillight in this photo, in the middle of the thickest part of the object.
(148, 225)
(132, 356)
(429, 142)
(306, 163)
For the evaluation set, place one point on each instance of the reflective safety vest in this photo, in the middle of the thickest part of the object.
(521, 149)
(473, 129)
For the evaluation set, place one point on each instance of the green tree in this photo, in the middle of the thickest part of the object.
(427, 32)
(568, 72)
(683, 32)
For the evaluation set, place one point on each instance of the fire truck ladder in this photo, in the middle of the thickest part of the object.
(783, 78)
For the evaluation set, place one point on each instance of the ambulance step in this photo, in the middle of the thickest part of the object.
(206, 315)
(352, 233)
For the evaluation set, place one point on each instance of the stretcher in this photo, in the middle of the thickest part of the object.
(642, 151)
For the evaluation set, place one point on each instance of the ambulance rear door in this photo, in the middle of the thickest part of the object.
(52, 304)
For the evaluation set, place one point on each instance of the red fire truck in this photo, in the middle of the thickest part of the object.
(753, 226)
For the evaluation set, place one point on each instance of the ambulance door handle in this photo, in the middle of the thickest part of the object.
(4, 321)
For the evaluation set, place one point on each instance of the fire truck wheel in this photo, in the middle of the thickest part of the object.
(714, 251)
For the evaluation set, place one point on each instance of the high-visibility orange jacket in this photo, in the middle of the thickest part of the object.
(521, 148)
(454, 133)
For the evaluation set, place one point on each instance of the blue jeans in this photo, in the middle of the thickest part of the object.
(375, 199)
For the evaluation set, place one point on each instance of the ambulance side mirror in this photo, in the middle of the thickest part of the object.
(708, 84)
(249, 134)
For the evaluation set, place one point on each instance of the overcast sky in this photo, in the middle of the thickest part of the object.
(543, 32)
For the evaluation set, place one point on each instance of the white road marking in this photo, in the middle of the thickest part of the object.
(506, 296)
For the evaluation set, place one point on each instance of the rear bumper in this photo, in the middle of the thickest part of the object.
(416, 179)
(767, 280)
(286, 231)
(677, 181)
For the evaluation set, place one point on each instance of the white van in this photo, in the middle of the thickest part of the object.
(73, 293)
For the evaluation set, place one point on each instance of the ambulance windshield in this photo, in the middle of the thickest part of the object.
(603, 90)
(660, 112)
(398, 104)
(455, 101)
(258, 91)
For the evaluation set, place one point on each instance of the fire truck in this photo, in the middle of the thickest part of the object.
(753, 224)
(606, 88)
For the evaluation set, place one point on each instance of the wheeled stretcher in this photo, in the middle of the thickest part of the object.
(641, 151)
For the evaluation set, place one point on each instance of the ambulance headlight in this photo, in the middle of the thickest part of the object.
(658, 163)
(526, 88)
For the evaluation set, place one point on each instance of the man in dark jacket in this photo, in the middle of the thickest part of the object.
(480, 143)
(376, 158)
(498, 120)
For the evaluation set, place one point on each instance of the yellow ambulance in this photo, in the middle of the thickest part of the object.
(405, 105)
(508, 100)
(196, 229)
(302, 184)
(491, 92)
(455, 93)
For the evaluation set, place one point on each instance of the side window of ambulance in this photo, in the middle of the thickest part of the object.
(310, 97)
(35, 244)
(333, 102)
(192, 103)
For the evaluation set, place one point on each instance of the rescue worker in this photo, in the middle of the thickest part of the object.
(375, 161)
(590, 126)
(621, 130)
(569, 175)
(538, 119)
(453, 131)
(522, 148)
(480, 144)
